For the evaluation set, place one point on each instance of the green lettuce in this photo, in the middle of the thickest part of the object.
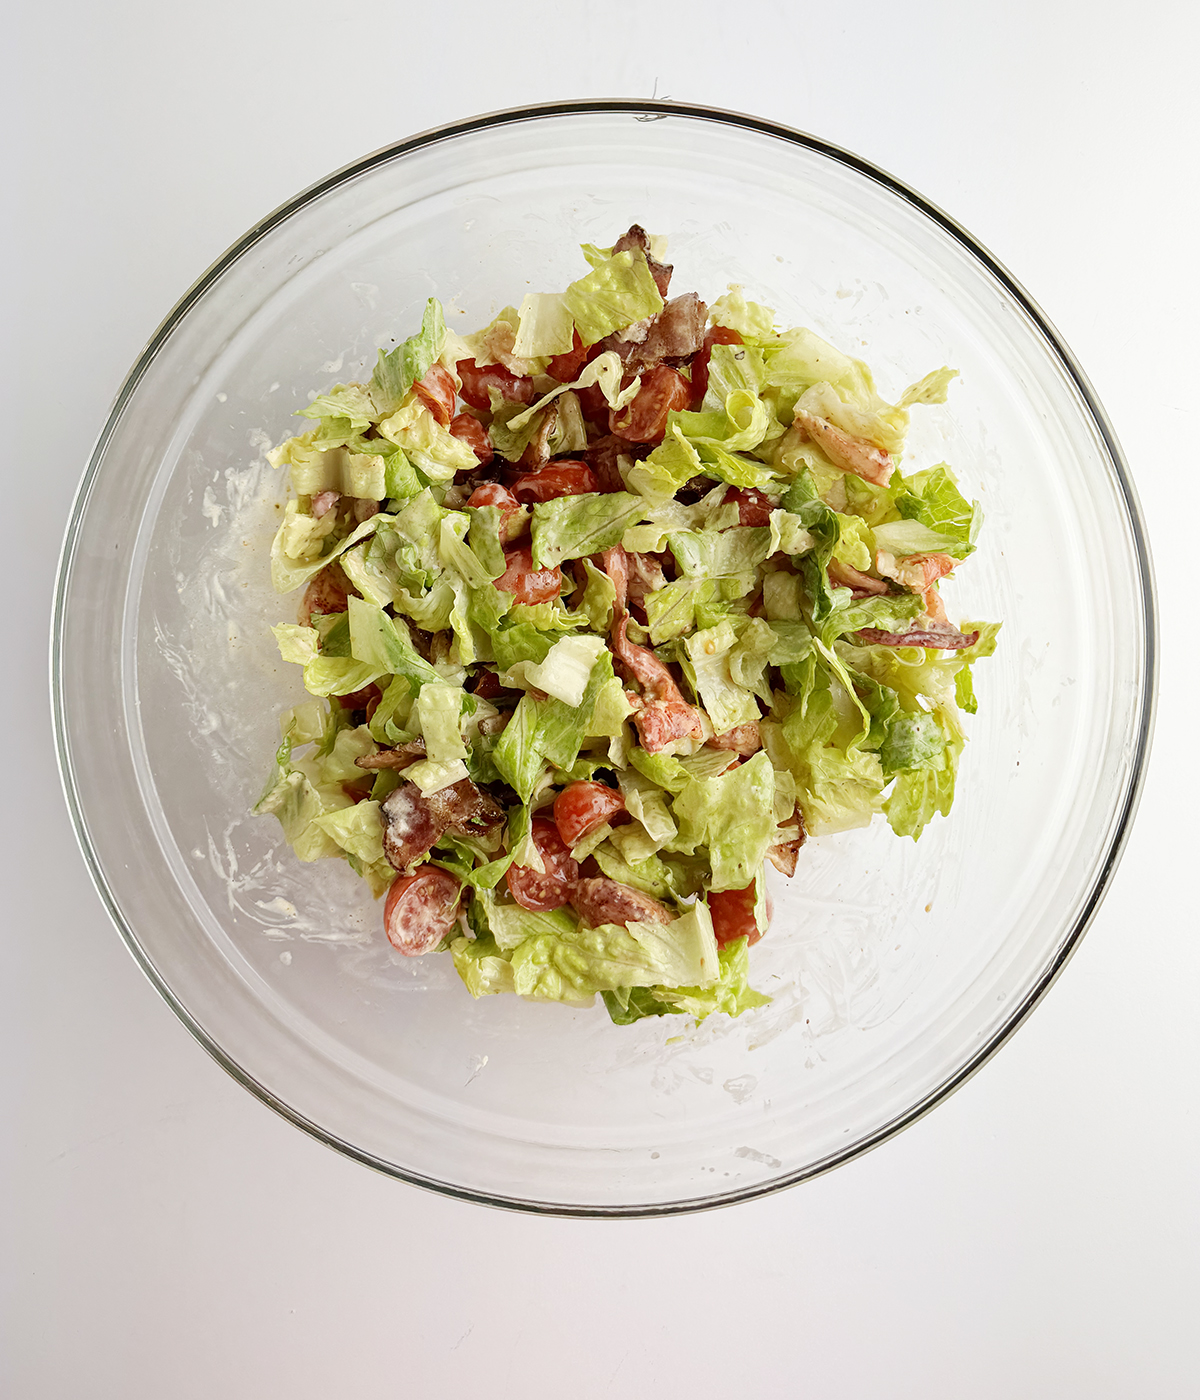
(573, 526)
(617, 292)
(397, 372)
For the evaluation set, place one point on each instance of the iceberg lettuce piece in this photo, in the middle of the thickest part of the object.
(396, 372)
(573, 526)
(544, 326)
(617, 292)
(733, 816)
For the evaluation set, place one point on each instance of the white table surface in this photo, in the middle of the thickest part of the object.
(164, 1234)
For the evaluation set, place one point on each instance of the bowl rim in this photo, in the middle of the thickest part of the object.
(646, 110)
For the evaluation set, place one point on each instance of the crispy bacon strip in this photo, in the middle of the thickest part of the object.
(947, 638)
(662, 714)
(861, 585)
(413, 824)
(399, 757)
(599, 900)
(852, 454)
(743, 739)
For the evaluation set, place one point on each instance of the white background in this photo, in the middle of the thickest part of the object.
(163, 1234)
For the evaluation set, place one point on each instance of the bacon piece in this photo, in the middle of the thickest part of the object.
(675, 333)
(947, 638)
(783, 855)
(599, 900)
(395, 758)
(437, 391)
(662, 714)
(742, 739)
(645, 576)
(636, 237)
(601, 456)
(410, 829)
(325, 501)
(852, 454)
(420, 910)
(861, 585)
(465, 809)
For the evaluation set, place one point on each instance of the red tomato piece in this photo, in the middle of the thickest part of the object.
(582, 807)
(717, 335)
(420, 910)
(753, 507)
(551, 890)
(477, 379)
(474, 434)
(523, 581)
(645, 419)
(491, 493)
(437, 392)
(558, 479)
(733, 915)
(566, 367)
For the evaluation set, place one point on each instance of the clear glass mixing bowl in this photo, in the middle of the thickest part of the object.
(896, 968)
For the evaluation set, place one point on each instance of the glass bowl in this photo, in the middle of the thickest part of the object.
(896, 968)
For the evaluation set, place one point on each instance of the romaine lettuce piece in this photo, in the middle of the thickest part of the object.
(396, 372)
(614, 294)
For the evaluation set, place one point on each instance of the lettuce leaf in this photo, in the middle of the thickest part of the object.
(397, 372)
(617, 292)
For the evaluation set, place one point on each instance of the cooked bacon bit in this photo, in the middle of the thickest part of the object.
(561, 478)
(636, 238)
(754, 508)
(861, 585)
(662, 714)
(474, 434)
(743, 739)
(496, 724)
(523, 581)
(363, 510)
(395, 759)
(718, 335)
(601, 456)
(420, 910)
(360, 699)
(582, 807)
(645, 419)
(645, 576)
(675, 333)
(466, 810)
(783, 856)
(437, 392)
(600, 900)
(852, 454)
(477, 379)
(325, 501)
(410, 829)
(733, 915)
(487, 686)
(550, 889)
(326, 593)
(946, 638)
(566, 367)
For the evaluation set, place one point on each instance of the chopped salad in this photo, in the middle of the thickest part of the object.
(605, 608)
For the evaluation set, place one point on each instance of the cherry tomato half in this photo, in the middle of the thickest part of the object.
(474, 434)
(558, 479)
(420, 910)
(477, 379)
(523, 581)
(645, 419)
(582, 807)
(551, 890)
(717, 335)
(733, 915)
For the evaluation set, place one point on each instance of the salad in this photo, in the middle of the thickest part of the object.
(605, 608)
